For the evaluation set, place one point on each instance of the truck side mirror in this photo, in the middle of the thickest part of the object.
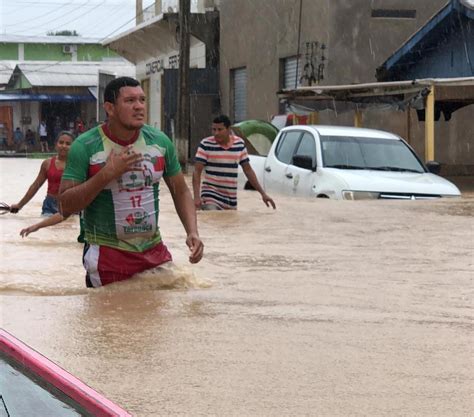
(433, 167)
(304, 161)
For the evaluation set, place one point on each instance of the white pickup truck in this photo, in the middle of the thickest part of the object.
(346, 163)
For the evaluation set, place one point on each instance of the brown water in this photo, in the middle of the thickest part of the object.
(320, 308)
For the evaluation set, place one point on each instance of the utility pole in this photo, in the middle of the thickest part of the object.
(183, 112)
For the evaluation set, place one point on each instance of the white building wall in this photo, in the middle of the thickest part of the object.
(197, 56)
(16, 107)
(34, 113)
(152, 70)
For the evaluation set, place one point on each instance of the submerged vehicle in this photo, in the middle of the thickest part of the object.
(346, 163)
(32, 385)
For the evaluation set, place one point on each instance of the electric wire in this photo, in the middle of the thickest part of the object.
(100, 18)
(118, 6)
(42, 15)
(78, 17)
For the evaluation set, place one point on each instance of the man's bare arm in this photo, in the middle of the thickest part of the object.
(250, 174)
(197, 184)
(184, 205)
(33, 189)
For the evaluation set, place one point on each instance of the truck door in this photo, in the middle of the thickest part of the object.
(303, 179)
(276, 176)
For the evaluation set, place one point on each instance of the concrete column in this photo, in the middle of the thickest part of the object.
(313, 118)
(138, 12)
(408, 131)
(430, 125)
(357, 118)
(158, 7)
(21, 52)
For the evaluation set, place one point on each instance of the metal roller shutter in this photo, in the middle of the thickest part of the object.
(239, 94)
(289, 76)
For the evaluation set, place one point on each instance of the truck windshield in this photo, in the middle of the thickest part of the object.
(346, 152)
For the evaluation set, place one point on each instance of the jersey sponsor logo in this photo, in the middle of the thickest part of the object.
(145, 175)
(132, 181)
(137, 223)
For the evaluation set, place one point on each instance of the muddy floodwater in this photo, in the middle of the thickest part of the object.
(319, 308)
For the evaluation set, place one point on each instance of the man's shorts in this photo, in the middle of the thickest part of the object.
(50, 206)
(105, 265)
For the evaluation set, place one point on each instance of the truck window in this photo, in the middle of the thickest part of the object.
(307, 147)
(286, 146)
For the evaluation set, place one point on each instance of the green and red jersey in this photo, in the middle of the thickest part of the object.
(124, 215)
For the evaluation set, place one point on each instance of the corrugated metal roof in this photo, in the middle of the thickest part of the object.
(465, 7)
(48, 39)
(6, 70)
(61, 74)
(394, 94)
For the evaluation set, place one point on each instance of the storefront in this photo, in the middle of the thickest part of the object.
(64, 95)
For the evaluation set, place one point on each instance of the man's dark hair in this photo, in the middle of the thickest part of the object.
(112, 89)
(222, 119)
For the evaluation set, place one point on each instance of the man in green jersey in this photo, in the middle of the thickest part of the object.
(113, 173)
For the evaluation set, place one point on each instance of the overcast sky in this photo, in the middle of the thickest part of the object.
(90, 18)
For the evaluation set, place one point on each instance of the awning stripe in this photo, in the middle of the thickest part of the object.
(46, 97)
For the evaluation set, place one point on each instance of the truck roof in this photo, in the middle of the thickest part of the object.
(326, 130)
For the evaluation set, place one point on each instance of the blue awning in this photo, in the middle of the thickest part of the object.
(46, 97)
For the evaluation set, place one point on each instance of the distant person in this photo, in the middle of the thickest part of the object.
(51, 171)
(43, 134)
(30, 138)
(108, 176)
(79, 127)
(49, 221)
(18, 138)
(3, 135)
(219, 157)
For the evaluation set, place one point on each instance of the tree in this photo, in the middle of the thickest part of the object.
(63, 33)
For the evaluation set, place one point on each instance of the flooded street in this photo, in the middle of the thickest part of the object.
(320, 308)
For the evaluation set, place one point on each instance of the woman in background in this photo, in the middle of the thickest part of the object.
(51, 170)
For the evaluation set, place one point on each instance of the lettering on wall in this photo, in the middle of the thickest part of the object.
(154, 66)
(173, 61)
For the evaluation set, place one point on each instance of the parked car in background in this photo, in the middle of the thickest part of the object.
(347, 163)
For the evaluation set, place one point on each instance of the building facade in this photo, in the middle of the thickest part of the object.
(265, 46)
(153, 46)
(339, 42)
(52, 78)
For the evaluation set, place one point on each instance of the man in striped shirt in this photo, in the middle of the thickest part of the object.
(219, 156)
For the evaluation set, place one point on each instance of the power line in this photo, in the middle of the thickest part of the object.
(120, 9)
(117, 6)
(52, 3)
(78, 17)
(40, 16)
(120, 27)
